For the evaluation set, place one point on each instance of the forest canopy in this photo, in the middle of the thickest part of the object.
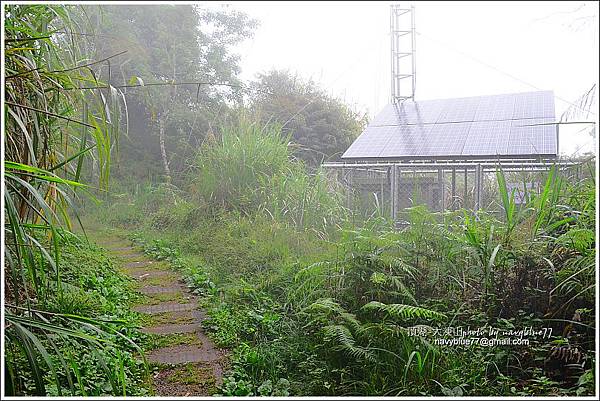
(190, 50)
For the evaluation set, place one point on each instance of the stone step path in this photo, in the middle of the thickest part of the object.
(173, 328)
(189, 364)
(165, 307)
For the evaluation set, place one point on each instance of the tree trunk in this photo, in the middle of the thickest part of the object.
(162, 121)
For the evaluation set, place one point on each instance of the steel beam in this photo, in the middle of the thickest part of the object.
(449, 166)
(453, 189)
(478, 181)
(393, 192)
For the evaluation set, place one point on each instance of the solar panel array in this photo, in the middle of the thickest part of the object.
(481, 126)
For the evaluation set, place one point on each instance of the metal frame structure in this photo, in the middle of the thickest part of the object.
(398, 30)
(393, 171)
(418, 173)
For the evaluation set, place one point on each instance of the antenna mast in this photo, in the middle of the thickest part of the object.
(402, 32)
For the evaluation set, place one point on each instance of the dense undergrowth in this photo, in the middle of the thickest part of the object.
(312, 298)
(312, 302)
(93, 335)
(67, 326)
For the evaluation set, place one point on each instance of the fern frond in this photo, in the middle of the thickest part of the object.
(327, 305)
(315, 269)
(401, 267)
(403, 311)
(359, 353)
(342, 337)
(351, 320)
(339, 334)
(381, 330)
(397, 283)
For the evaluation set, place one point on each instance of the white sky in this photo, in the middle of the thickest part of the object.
(345, 47)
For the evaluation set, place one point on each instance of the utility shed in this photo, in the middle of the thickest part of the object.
(438, 152)
(506, 126)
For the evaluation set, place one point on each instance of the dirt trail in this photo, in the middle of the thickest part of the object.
(189, 364)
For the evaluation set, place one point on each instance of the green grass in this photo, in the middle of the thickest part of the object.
(163, 280)
(249, 169)
(192, 374)
(327, 309)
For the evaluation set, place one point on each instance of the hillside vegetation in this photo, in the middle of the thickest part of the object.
(131, 122)
(315, 300)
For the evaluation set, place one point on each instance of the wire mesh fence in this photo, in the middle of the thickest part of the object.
(389, 189)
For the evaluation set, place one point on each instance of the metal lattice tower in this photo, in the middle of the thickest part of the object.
(402, 32)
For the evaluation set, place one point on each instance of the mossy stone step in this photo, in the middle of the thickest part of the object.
(159, 289)
(180, 354)
(121, 249)
(194, 379)
(141, 273)
(190, 363)
(193, 316)
(130, 255)
(171, 306)
(139, 263)
(109, 245)
(173, 328)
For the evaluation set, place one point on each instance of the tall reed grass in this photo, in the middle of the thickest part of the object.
(250, 168)
(52, 128)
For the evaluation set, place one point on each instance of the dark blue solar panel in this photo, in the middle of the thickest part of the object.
(408, 140)
(371, 142)
(445, 140)
(487, 138)
(532, 134)
(495, 108)
(499, 125)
